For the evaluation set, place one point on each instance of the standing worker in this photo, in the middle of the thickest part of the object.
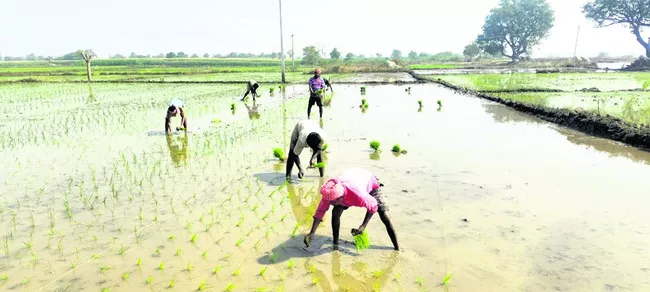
(175, 107)
(252, 87)
(317, 86)
(305, 134)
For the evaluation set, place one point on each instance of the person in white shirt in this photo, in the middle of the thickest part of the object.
(305, 134)
(175, 107)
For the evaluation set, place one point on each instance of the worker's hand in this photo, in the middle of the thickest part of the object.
(358, 231)
(301, 174)
(307, 239)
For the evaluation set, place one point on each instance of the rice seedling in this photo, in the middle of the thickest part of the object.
(156, 252)
(172, 237)
(126, 276)
(374, 144)
(138, 262)
(233, 106)
(106, 289)
(396, 148)
(26, 281)
(193, 239)
(295, 230)
(239, 242)
(278, 153)
(4, 278)
(398, 276)
(161, 266)
(239, 223)
(189, 267)
(362, 241)
(325, 147)
(179, 251)
(439, 103)
(236, 272)
(204, 254)
(273, 257)
(202, 286)
(420, 281)
(103, 269)
(446, 279)
(216, 269)
(122, 251)
(257, 244)
(263, 271)
(172, 283)
(420, 103)
(319, 165)
(364, 104)
(149, 280)
(230, 287)
(363, 90)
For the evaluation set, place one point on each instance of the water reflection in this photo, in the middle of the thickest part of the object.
(503, 114)
(91, 95)
(303, 212)
(178, 149)
(253, 112)
(373, 280)
(613, 148)
(374, 155)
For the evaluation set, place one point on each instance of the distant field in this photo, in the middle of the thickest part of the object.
(560, 81)
(433, 66)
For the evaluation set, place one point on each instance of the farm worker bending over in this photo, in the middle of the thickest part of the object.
(251, 87)
(175, 108)
(316, 84)
(305, 134)
(354, 187)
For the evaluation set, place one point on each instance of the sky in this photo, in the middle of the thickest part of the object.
(54, 28)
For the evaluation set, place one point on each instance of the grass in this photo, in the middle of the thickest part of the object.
(374, 145)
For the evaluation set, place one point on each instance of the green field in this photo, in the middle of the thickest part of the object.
(559, 81)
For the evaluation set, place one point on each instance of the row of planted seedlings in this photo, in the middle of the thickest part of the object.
(111, 111)
(89, 210)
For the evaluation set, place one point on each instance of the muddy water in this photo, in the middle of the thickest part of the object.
(499, 200)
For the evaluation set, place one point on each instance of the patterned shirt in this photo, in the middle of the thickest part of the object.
(316, 83)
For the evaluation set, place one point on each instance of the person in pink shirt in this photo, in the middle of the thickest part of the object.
(354, 187)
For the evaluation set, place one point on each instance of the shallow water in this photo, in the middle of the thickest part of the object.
(545, 208)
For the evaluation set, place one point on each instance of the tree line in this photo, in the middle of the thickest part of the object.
(514, 27)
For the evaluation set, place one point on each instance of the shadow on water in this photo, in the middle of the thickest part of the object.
(178, 149)
(503, 114)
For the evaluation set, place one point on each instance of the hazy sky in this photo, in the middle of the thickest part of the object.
(48, 27)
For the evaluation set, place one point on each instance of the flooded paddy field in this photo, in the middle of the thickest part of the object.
(94, 196)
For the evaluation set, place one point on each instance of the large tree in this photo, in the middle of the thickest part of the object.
(514, 27)
(396, 55)
(471, 51)
(310, 55)
(635, 14)
(335, 54)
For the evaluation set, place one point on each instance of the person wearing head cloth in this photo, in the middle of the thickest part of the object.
(317, 86)
(354, 187)
(305, 134)
(175, 108)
